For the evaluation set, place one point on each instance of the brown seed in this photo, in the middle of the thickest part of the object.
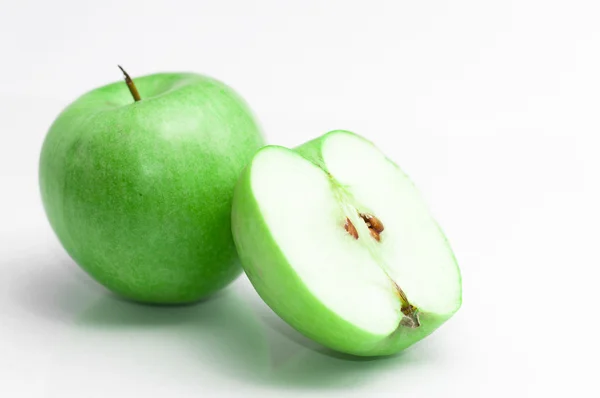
(375, 235)
(351, 228)
(372, 222)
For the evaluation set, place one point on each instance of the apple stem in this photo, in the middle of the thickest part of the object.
(132, 88)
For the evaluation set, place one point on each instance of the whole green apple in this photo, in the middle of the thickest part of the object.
(337, 240)
(137, 182)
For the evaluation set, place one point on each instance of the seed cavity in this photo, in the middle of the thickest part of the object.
(410, 313)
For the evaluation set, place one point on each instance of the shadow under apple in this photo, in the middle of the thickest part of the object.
(239, 337)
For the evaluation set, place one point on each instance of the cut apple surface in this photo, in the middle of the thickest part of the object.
(338, 242)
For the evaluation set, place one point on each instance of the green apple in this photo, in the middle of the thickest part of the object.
(139, 190)
(337, 240)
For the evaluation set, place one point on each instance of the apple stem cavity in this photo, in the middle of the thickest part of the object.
(132, 88)
(410, 312)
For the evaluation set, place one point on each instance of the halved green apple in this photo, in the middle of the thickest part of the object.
(336, 239)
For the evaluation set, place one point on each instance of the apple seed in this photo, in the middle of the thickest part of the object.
(374, 234)
(351, 228)
(372, 222)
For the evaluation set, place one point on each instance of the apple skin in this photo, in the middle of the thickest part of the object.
(139, 193)
(283, 291)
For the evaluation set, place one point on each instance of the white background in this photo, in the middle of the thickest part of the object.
(492, 107)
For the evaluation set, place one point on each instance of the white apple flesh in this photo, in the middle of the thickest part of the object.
(339, 243)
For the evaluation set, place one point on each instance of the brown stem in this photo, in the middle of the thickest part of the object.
(132, 88)
(409, 310)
